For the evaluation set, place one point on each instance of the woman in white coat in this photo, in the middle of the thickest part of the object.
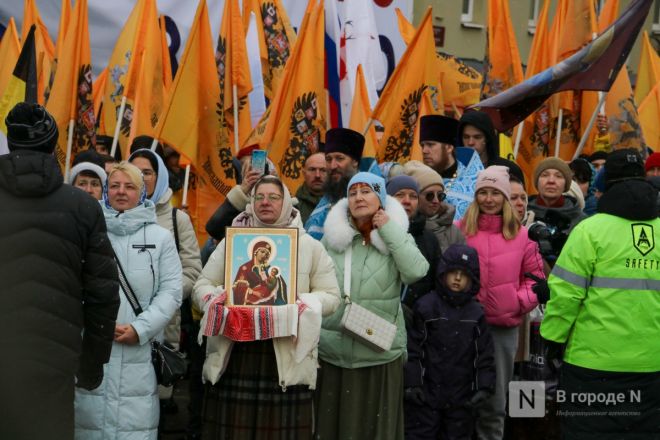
(262, 389)
(125, 405)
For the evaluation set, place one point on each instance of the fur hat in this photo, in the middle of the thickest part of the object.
(346, 141)
(438, 128)
(623, 165)
(423, 174)
(554, 163)
(376, 183)
(497, 177)
(31, 127)
(398, 183)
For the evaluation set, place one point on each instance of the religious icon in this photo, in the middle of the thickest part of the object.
(261, 266)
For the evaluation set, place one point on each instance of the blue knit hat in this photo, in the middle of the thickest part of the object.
(376, 183)
(398, 183)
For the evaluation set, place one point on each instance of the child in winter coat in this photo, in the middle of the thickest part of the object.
(450, 369)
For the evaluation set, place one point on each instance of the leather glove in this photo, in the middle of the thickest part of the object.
(478, 399)
(554, 353)
(415, 395)
(540, 288)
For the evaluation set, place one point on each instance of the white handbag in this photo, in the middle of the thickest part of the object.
(361, 324)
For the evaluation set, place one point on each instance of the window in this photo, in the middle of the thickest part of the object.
(656, 17)
(534, 10)
(467, 11)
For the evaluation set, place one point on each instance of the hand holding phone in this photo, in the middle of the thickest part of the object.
(259, 161)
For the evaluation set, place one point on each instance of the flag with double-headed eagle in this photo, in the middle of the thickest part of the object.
(139, 39)
(276, 40)
(296, 121)
(399, 104)
(460, 84)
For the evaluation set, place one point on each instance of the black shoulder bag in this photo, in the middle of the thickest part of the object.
(169, 364)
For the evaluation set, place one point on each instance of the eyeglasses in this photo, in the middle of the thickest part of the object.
(271, 197)
(148, 174)
(429, 196)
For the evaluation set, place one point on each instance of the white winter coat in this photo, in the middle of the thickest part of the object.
(125, 406)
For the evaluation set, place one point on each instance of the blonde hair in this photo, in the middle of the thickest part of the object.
(131, 171)
(510, 223)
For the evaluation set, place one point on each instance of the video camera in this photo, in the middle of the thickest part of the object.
(551, 233)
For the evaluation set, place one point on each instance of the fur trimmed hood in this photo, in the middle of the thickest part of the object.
(339, 230)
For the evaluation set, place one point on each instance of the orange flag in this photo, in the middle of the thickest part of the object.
(190, 124)
(44, 46)
(233, 71)
(149, 97)
(124, 68)
(620, 108)
(296, 120)
(649, 115)
(97, 92)
(460, 84)
(503, 68)
(360, 112)
(65, 16)
(167, 62)
(574, 26)
(535, 138)
(398, 106)
(648, 71)
(426, 108)
(9, 51)
(70, 100)
(276, 40)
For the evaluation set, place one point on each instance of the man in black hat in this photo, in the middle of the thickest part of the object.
(437, 136)
(343, 151)
(604, 307)
(59, 298)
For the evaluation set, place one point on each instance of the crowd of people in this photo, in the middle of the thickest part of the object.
(449, 251)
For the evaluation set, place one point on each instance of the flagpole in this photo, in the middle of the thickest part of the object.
(115, 138)
(518, 139)
(69, 146)
(367, 127)
(234, 92)
(560, 119)
(590, 125)
(186, 181)
(154, 144)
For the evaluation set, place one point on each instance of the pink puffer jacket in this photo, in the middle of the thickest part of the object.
(505, 293)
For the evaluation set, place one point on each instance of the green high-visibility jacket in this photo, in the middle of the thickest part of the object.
(605, 295)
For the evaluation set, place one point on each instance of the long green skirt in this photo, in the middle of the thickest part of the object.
(360, 403)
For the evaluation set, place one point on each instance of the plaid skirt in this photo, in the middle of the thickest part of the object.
(360, 403)
(248, 402)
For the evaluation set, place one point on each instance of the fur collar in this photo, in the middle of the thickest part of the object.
(339, 230)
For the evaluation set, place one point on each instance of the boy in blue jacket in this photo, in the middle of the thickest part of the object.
(450, 369)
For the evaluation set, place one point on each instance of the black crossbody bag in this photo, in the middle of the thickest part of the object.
(169, 364)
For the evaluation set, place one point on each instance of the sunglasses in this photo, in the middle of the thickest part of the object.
(429, 196)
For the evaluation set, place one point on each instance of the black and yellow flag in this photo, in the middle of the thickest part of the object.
(22, 85)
